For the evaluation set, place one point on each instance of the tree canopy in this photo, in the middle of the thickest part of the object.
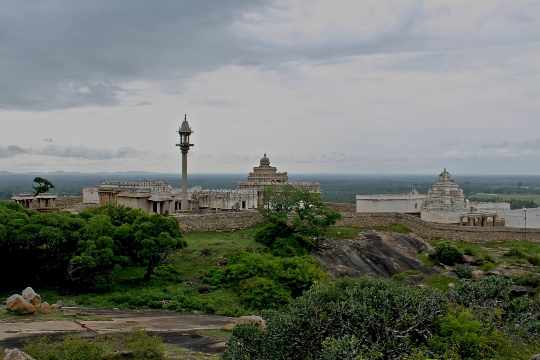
(80, 251)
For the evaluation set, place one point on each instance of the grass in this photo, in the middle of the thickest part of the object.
(439, 282)
(343, 232)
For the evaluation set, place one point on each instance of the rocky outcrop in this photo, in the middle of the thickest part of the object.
(373, 253)
(16, 354)
(28, 303)
(19, 305)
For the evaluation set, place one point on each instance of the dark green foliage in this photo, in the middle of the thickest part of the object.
(447, 254)
(280, 277)
(385, 317)
(521, 204)
(463, 271)
(294, 220)
(348, 347)
(488, 292)
(462, 336)
(263, 293)
(42, 186)
(81, 251)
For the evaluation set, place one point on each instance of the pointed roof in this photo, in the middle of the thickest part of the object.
(185, 128)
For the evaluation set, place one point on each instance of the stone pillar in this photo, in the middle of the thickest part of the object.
(185, 200)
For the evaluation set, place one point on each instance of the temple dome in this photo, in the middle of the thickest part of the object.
(265, 161)
(445, 195)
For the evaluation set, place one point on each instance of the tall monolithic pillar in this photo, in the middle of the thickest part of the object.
(185, 133)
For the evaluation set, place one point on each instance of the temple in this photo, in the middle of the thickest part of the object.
(265, 175)
(445, 201)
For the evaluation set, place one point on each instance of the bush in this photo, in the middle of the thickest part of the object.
(346, 348)
(389, 318)
(461, 335)
(447, 254)
(293, 275)
(488, 292)
(463, 271)
(263, 293)
(140, 346)
(72, 348)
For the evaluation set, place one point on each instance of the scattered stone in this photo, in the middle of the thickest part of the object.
(244, 320)
(16, 354)
(535, 357)
(31, 296)
(19, 305)
(477, 274)
(467, 259)
(222, 262)
(451, 285)
(45, 308)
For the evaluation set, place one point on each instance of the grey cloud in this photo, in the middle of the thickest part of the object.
(75, 152)
(12, 151)
(531, 145)
(62, 53)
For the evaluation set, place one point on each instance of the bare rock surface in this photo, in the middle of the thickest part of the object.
(373, 253)
(16, 354)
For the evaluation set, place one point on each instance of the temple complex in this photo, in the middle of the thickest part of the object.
(444, 203)
(265, 175)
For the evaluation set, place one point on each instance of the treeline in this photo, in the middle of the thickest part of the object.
(80, 251)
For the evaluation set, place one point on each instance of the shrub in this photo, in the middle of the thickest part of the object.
(462, 335)
(447, 254)
(346, 348)
(294, 275)
(72, 348)
(140, 346)
(263, 293)
(389, 318)
(488, 292)
(463, 271)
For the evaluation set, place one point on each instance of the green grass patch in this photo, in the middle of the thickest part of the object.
(439, 282)
(342, 232)
(139, 344)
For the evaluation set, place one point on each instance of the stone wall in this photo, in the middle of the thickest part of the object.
(220, 221)
(433, 231)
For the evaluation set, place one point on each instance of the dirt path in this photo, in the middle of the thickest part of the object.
(169, 325)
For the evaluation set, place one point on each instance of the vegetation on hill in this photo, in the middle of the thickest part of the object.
(81, 251)
(382, 319)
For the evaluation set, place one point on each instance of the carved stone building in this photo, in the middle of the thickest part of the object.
(445, 201)
(265, 175)
(41, 202)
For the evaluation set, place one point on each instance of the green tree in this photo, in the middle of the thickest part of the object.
(294, 214)
(42, 185)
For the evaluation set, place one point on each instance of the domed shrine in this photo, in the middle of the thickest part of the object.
(445, 201)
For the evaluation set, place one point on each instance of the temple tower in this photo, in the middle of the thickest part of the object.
(184, 132)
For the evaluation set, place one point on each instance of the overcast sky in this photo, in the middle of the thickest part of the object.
(342, 86)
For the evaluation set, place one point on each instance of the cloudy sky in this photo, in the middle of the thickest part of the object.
(346, 86)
